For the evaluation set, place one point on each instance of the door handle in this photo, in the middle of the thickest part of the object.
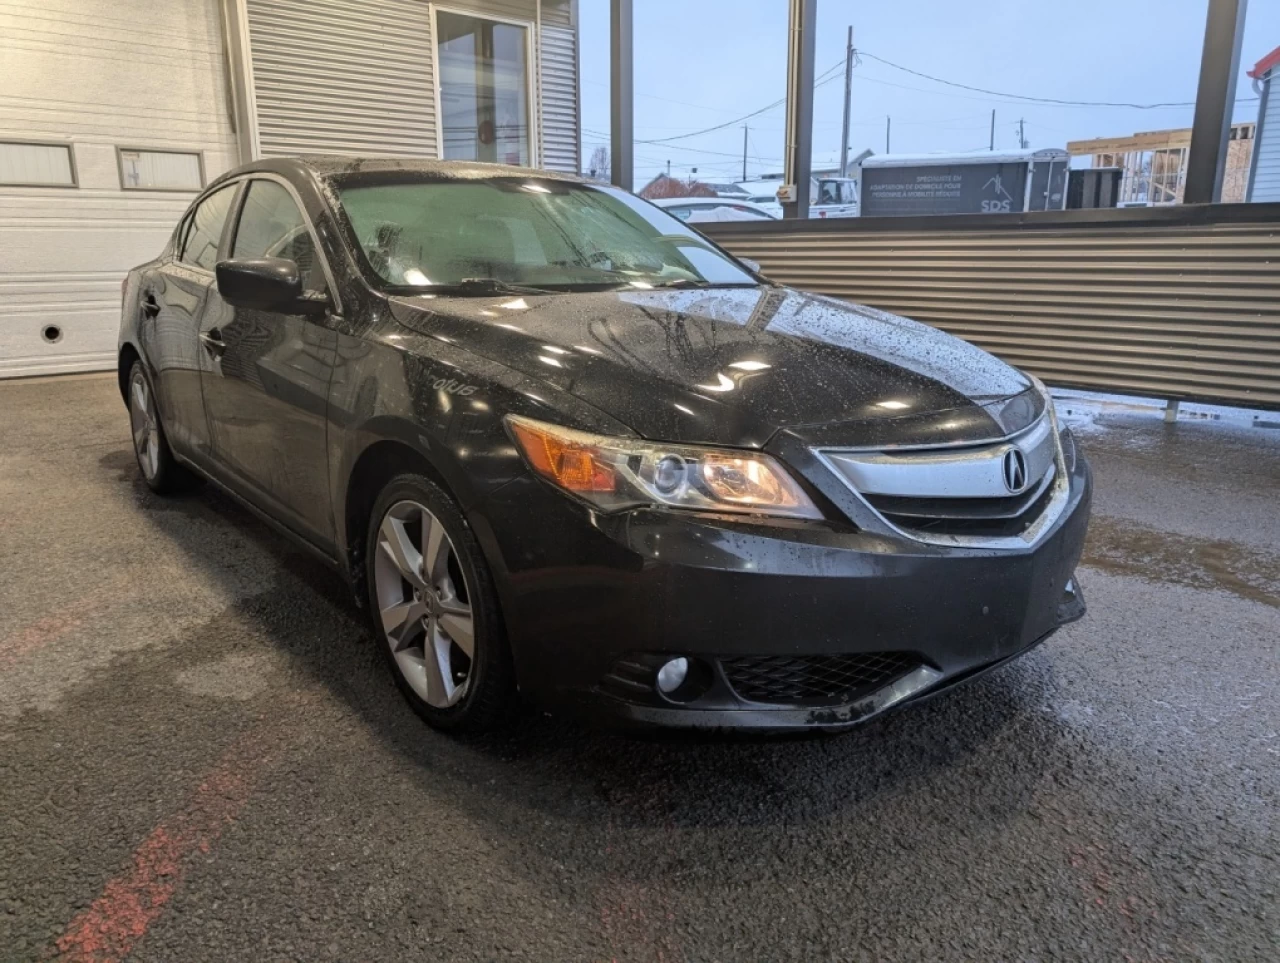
(212, 340)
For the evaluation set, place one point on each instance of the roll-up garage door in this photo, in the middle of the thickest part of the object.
(126, 121)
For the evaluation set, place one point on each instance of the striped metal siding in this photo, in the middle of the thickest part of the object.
(561, 143)
(356, 76)
(1166, 309)
(1266, 170)
(343, 76)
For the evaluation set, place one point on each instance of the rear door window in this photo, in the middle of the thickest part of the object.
(271, 225)
(205, 232)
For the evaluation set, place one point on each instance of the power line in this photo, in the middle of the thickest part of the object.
(695, 150)
(827, 76)
(1027, 97)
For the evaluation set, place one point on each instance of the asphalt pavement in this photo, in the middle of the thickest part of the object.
(203, 758)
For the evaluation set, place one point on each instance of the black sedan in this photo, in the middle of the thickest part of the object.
(565, 448)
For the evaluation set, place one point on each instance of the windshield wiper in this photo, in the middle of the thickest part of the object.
(702, 285)
(483, 286)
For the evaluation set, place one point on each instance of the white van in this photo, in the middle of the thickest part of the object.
(828, 196)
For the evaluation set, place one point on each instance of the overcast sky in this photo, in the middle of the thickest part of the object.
(704, 62)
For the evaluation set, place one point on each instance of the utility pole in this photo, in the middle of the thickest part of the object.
(668, 168)
(993, 128)
(888, 126)
(1022, 133)
(848, 93)
(745, 129)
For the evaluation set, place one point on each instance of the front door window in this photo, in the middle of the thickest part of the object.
(484, 89)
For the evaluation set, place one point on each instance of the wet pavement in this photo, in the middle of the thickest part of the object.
(202, 757)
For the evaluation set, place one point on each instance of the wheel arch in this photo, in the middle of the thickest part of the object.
(128, 355)
(384, 456)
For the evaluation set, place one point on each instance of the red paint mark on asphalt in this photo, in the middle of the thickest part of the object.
(111, 927)
(36, 635)
(110, 593)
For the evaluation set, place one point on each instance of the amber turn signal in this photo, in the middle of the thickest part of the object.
(574, 467)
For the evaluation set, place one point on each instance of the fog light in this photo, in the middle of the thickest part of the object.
(672, 675)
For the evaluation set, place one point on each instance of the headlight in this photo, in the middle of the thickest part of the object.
(618, 473)
(1045, 394)
(1066, 440)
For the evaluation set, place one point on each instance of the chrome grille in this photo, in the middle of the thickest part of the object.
(961, 494)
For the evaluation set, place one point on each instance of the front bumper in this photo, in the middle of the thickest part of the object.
(584, 594)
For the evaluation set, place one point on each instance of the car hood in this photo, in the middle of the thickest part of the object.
(733, 366)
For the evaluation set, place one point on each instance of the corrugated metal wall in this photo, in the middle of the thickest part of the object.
(1265, 176)
(97, 74)
(1170, 303)
(343, 77)
(356, 76)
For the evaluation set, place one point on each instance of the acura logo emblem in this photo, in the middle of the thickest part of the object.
(1015, 470)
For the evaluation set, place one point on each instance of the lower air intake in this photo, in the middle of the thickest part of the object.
(814, 679)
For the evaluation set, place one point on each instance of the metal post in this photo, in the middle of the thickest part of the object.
(888, 127)
(1215, 101)
(745, 129)
(993, 129)
(1171, 411)
(243, 102)
(622, 98)
(848, 96)
(799, 147)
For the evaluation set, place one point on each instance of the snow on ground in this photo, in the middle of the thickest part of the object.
(1082, 411)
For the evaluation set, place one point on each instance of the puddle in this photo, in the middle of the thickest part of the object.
(1123, 548)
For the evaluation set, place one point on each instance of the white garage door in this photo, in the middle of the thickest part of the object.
(137, 91)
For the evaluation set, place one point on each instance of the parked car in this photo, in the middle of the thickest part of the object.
(564, 447)
(700, 209)
(763, 194)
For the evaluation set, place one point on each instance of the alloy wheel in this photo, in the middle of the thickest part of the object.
(424, 604)
(145, 424)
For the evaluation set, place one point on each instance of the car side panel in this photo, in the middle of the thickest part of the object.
(169, 334)
(442, 402)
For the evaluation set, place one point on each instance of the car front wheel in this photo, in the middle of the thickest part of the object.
(434, 608)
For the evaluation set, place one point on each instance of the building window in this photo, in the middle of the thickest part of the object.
(36, 165)
(484, 89)
(160, 170)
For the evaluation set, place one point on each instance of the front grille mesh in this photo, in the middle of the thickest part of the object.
(814, 679)
(988, 517)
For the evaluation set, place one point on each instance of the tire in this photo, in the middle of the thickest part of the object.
(160, 470)
(429, 603)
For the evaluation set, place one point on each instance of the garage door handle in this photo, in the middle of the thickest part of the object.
(213, 341)
(150, 307)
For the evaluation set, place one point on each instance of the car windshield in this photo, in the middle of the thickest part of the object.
(434, 235)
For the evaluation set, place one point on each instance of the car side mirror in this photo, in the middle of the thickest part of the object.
(753, 266)
(266, 284)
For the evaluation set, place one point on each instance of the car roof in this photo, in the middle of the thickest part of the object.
(326, 166)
